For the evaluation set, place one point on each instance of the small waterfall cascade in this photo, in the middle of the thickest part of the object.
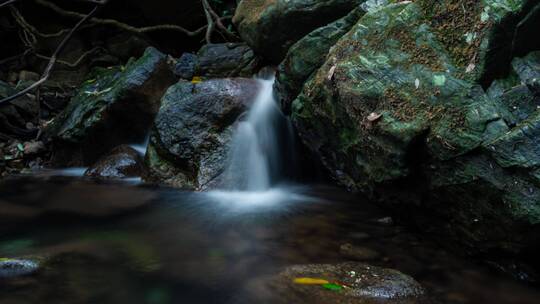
(260, 145)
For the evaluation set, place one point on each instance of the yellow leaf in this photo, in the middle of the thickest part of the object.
(310, 281)
(196, 79)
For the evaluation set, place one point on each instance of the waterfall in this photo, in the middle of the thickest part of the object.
(256, 156)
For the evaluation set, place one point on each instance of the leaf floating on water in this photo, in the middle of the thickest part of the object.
(196, 79)
(310, 281)
(374, 117)
(332, 286)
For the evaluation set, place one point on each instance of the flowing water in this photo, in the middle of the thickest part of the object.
(182, 247)
(257, 148)
(122, 242)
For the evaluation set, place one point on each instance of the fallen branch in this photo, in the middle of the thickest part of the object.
(53, 58)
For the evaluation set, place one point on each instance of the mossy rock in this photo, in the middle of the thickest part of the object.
(399, 110)
(270, 27)
(114, 106)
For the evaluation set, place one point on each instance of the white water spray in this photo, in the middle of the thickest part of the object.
(255, 153)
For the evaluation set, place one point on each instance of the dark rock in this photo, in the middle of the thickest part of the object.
(189, 142)
(123, 161)
(226, 60)
(15, 114)
(270, 27)
(307, 55)
(186, 66)
(365, 284)
(115, 107)
(13, 268)
(398, 111)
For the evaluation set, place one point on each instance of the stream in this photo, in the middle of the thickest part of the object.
(185, 247)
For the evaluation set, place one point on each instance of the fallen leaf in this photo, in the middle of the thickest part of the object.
(196, 79)
(332, 286)
(310, 281)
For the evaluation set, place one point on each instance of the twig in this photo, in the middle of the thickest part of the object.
(7, 3)
(121, 25)
(74, 64)
(53, 59)
(210, 22)
(217, 19)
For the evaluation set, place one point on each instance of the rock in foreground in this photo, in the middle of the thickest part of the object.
(190, 139)
(13, 268)
(349, 283)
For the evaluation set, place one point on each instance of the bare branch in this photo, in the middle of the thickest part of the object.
(210, 22)
(217, 19)
(121, 25)
(8, 2)
(53, 59)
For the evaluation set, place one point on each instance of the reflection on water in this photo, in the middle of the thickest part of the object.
(181, 247)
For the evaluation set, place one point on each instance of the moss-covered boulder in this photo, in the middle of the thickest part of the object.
(399, 110)
(114, 106)
(307, 55)
(270, 27)
(190, 139)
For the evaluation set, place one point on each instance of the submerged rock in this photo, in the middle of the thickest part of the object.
(347, 283)
(123, 161)
(398, 111)
(270, 27)
(13, 268)
(191, 134)
(115, 107)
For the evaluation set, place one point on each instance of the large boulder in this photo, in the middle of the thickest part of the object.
(270, 27)
(116, 106)
(399, 111)
(190, 139)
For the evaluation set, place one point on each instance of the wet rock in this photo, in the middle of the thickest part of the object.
(399, 108)
(13, 268)
(306, 55)
(122, 162)
(186, 66)
(189, 141)
(358, 253)
(361, 283)
(226, 60)
(270, 27)
(217, 61)
(115, 106)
